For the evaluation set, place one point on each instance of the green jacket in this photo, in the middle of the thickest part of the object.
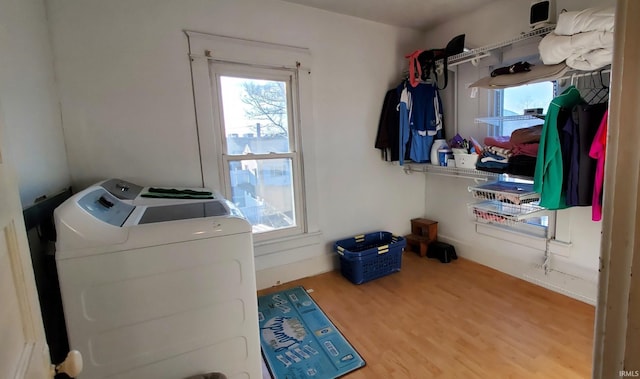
(548, 176)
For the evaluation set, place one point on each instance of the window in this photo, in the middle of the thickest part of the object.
(251, 99)
(259, 151)
(509, 107)
(512, 102)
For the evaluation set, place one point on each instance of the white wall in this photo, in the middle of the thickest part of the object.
(500, 21)
(127, 100)
(33, 141)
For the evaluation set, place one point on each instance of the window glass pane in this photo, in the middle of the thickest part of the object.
(517, 99)
(255, 115)
(508, 126)
(263, 190)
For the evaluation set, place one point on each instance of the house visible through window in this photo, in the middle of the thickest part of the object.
(259, 153)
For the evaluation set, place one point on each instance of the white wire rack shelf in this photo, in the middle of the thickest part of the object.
(506, 192)
(457, 172)
(496, 212)
(497, 121)
(484, 51)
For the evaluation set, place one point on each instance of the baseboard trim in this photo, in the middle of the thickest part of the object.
(565, 278)
(573, 286)
(315, 265)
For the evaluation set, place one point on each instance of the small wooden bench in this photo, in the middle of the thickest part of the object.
(423, 232)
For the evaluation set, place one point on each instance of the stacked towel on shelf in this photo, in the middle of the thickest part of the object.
(500, 152)
(522, 165)
(492, 162)
(526, 142)
(515, 155)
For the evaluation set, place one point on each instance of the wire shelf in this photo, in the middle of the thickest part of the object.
(480, 52)
(458, 172)
(500, 120)
(503, 213)
(506, 192)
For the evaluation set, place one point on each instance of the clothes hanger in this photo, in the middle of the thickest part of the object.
(591, 89)
(603, 90)
(605, 87)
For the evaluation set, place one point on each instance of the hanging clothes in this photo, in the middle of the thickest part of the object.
(410, 120)
(585, 119)
(568, 138)
(387, 139)
(548, 176)
(598, 151)
(415, 69)
(426, 121)
(421, 121)
(405, 114)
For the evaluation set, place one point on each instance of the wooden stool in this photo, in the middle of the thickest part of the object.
(423, 232)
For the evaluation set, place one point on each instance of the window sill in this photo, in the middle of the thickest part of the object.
(262, 248)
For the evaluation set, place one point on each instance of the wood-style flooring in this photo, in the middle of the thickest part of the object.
(456, 320)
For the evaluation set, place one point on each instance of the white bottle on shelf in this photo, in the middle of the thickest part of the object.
(437, 145)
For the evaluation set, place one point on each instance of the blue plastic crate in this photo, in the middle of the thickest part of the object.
(369, 256)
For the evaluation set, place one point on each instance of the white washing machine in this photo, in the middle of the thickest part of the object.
(157, 291)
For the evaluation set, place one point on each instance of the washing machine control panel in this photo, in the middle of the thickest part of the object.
(122, 189)
(105, 207)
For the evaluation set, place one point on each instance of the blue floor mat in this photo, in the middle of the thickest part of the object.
(298, 340)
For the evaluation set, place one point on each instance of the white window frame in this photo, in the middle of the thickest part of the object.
(289, 76)
(557, 223)
(496, 106)
(207, 50)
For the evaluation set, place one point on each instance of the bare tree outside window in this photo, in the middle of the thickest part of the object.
(266, 102)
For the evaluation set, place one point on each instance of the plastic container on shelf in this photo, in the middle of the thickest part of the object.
(437, 145)
(465, 160)
(444, 155)
(370, 256)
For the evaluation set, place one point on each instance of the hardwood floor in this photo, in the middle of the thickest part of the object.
(456, 320)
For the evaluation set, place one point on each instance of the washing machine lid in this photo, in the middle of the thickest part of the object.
(184, 212)
(135, 194)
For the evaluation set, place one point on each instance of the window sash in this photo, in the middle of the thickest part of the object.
(533, 228)
(254, 156)
(496, 108)
(290, 77)
(299, 226)
(243, 71)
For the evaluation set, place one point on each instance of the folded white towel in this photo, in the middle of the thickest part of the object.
(600, 19)
(582, 51)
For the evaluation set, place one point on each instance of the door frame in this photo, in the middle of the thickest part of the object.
(32, 360)
(617, 328)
